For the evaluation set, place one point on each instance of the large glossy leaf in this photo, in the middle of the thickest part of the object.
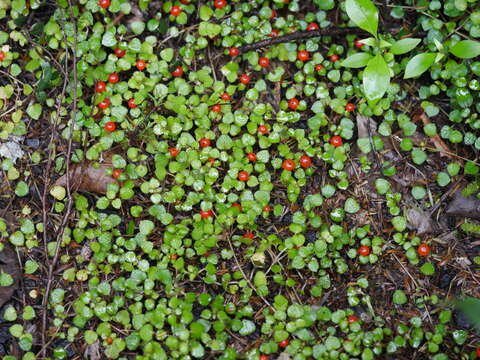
(403, 46)
(419, 64)
(358, 60)
(466, 49)
(376, 78)
(364, 14)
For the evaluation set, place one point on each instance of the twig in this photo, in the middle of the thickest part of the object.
(299, 35)
(243, 273)
(61, 229)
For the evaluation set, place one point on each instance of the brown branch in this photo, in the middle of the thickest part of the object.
(301, 35)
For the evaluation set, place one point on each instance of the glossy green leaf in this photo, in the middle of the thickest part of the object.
(419, 64)
(364, 14)
(466, 49)
(376, 78)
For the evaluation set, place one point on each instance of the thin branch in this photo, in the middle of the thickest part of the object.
(300, 35)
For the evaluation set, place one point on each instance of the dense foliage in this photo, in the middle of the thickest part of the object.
(171, 195)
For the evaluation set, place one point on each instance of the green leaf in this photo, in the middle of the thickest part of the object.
(403, 46)
(419, 64)
(351, 206)
(466, 49)
(364, 14)
(399, 297)
(376, 78)
(356, 61)
(427, 269)
(5, 279)
(209, 29)
(34, 111)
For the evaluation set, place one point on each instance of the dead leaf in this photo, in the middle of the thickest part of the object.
(86, 177)
(439, 144)
(92, 351)
(284, 356)
(9, 265)
(467, 206)
(11, 149)
(366, 127)
(419, 220)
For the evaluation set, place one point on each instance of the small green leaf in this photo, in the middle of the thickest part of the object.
(376, 78)
(427, 269)
(34, 111)
(419, 64)
(5, 279)
(403, 46)
(399, 297)
(466, 49)
(364, 14)
(358, 60)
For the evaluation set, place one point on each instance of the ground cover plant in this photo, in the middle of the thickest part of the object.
(227, 179)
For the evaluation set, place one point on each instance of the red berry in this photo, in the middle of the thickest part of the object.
(204, 142)
(293, 103)
(263, 357)
(113, 78)
(288, 165)
(141, 65)
(243, 176)
(283, 343)
(478, 352)
(110, 126)
(206, 214)
(211, 161)
(349, 107)
(267, 208)
(131, 103)
(305, 161)
(178, 72)
(2, 56)
(303, 55)
(352, 318)
(364, 250)
(175, 10)
(274, 14)
(336, 141)
(109, 340)
(225, 96)
(237, 205)
(313, 26)
(233, 51)
(423, 250)
(334, 58)
(104, 3)
(249, 235)
(216, 108)
(116, 173)
(358, 44)
(100, 86)
(245, 79)
(263, 62)
(173, 257)
(274, 33)
(119, 53)
(105, 103)
(252, 156)
(262, 129)
(319, 67)
(173, 151)
(219, 4)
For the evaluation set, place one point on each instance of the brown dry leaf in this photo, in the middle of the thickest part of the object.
(440, 145)
(85, 177)
(9, 265)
